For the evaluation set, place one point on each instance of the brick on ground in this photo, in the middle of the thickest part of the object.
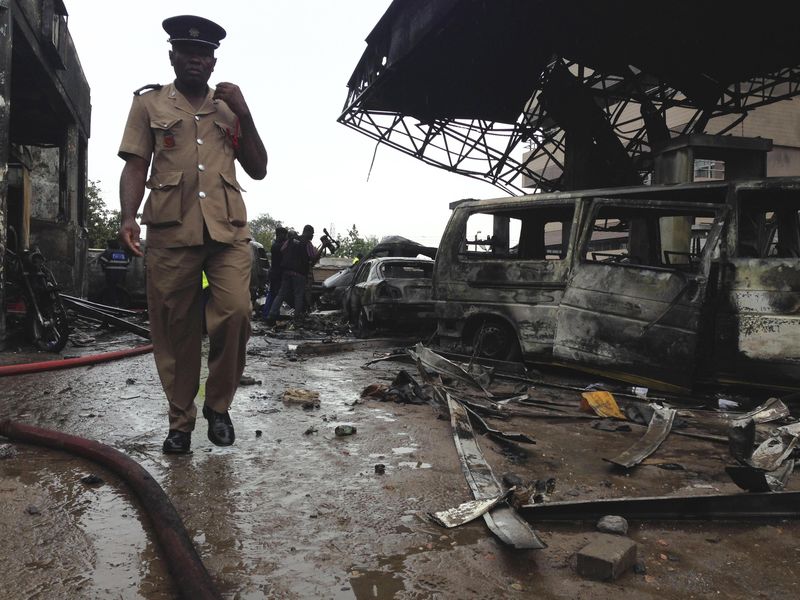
(606, 557)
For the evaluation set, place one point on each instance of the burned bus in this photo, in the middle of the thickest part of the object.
(665, 286)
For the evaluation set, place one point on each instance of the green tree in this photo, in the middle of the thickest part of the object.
(354, 244)
(262, 229)
(103, 223)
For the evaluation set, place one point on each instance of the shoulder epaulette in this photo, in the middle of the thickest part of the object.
(147, 88)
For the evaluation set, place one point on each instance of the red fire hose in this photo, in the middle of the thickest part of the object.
(188, 572)
(64, 363)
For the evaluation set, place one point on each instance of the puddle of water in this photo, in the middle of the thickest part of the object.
(87, 538)
(414, 465)
(376, 584)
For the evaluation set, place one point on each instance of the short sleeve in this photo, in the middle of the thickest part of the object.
(137, 138)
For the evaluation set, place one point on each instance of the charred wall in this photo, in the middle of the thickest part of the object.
(44, 129)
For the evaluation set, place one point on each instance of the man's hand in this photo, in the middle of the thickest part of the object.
(129, 236)
(131, 190)
(251, 152)
(232, 96)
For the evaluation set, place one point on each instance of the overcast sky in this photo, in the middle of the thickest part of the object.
(292, 60)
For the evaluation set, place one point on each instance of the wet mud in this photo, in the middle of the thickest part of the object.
(297, 512)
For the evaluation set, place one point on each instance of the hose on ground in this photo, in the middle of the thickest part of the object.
(188, 572)
(65, 363)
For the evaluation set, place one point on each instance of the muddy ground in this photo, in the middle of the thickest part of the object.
(296, 512)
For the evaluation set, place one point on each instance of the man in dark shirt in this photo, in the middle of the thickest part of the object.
(299, 255)
(114, 261)
(275, 269)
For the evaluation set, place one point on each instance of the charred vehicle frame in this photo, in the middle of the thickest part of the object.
(334, 287)
(390, 293)
(665, 286)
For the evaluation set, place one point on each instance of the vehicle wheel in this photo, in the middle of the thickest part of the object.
(496, 340)
(53, 334)
(363, 328)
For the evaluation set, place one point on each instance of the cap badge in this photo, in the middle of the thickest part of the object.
(194, 32)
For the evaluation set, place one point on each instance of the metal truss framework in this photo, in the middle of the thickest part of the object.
(533, 147)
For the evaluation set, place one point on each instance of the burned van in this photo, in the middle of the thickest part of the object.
(665, 286)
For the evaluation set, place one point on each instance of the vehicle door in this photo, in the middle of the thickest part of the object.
(355, 293)
(759, 316)
(632, 307)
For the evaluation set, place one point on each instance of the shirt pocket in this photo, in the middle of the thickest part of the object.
(165, 133)
(163, 206)
(237, 213)
(226, 134)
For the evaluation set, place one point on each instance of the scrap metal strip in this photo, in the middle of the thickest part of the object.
(104, 307)
(467, 511)
(657, 431)
(321, 348)
(772, 410)
(502, 436)
(441, 365)
(503, 521)
(106, 317)
(769, 505)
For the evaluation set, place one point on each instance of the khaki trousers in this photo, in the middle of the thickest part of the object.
(175, 307)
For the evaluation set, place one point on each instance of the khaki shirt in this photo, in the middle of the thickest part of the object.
(193, 177)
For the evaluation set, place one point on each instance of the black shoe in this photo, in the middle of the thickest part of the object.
(177, 442)
(220, 428)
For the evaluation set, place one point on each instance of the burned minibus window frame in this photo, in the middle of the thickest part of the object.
(768, 224)
(614, 220)
(542, 233)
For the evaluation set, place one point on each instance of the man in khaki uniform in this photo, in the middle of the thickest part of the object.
(196, 221)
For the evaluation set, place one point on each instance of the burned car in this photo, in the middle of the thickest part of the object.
(334, 287)
(666, 286)
(390, 293)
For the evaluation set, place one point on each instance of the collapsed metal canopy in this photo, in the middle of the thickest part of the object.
(468, 85)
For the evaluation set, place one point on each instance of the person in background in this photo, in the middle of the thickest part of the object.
(298, 256)
(114, 261)
(275, 269)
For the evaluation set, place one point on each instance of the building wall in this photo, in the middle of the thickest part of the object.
(5, 124)
(44, 183)
(45, 114)
(783, 161)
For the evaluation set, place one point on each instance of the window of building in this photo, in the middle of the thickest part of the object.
(54, 30)
(709, 170)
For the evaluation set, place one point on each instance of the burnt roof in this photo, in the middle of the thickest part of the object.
(482, 59)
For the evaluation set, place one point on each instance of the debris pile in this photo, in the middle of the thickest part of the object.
(501, 402)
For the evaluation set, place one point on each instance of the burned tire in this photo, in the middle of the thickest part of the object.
(52, 333)
(497, 340)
